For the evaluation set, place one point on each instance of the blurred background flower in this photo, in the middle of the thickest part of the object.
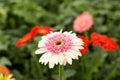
(104, 41)
(42, 30)
(5, 73)
(83, 22)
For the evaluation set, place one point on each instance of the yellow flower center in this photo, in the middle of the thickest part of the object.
(83, 23)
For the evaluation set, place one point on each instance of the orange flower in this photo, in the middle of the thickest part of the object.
(5, 74)
(104, 41)
(83, 22)
(86, 41)
(35, 30)
(41, 30)
(4, 71)
(27, 37)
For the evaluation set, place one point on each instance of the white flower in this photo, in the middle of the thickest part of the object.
(59, 48)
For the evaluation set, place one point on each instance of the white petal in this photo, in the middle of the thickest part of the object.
(51, 65)
(69, 53)
(77, 52)
(77, 47)
(60, 30)
(67, 33)
(61, 59)
(64, 62)
(40, 43)
(78, 44)
(73, 35)
(43, 57)
(56, 58)
(49, 35)
(52, 62)
(73, 54)
(46, 60)
(51, 32)
(69, 60)
(39, 51)
(78, 40)
(44, 38)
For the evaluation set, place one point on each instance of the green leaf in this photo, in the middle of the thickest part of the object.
(92, 61)
(4, 61)
(69, 73)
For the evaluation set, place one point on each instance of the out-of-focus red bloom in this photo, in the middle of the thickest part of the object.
(34, 31)
(104, 41)
(83, 22)
(27, 37)
(86, 41)
(86, 49)
(109, 44)
(43, 30)
(95, 38)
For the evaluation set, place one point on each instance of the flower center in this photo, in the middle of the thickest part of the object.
(58, 43)
(83, 23)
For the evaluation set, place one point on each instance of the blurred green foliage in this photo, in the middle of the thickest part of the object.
(18, 16)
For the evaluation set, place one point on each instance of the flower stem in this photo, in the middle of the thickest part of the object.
(61, 72)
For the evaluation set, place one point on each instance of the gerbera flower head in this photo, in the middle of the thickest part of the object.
(83, 22)
(43, 30)
(104, 41)
(59, 47)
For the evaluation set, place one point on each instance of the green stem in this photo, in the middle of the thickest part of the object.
(85, 34)
(83, 67)
(61, 71)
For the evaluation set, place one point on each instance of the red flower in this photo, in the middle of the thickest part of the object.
(104, 41)
(95, 38)
(35, 30)
(27, 37)
(86, 49)
(83, 22)
(41, 30)
(109, 44)
(86, 41)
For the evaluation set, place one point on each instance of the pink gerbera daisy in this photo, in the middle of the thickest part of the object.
(59, 47)
(83, 22)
